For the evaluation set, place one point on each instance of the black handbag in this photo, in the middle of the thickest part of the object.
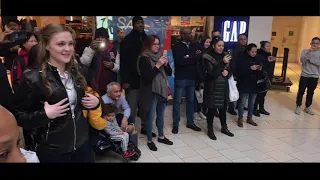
(264, 83)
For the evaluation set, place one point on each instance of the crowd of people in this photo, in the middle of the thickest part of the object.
(62, 99)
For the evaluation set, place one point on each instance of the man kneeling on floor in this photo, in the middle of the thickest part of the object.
(114, 96)
(113, 129)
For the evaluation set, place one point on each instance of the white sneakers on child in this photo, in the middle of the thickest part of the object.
(199, 116)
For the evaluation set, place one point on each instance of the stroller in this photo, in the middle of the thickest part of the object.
(106, 144)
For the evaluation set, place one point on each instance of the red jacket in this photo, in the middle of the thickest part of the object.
(17, 69)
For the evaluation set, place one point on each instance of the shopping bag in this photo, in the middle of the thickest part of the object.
(233, 90)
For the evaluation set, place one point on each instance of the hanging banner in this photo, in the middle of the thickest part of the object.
(154, 25)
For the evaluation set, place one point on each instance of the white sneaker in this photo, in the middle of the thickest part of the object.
(298, 110)
(202, 116)
(196, 116)
(308, 110)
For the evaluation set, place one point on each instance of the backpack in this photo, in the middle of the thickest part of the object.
(15, 72)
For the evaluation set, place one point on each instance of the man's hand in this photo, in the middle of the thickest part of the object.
(308, 54)
(125, 86)
(4, 34)
(15, 48)
(124, 122)
(120, 132)
(94, 45)
(108, 65)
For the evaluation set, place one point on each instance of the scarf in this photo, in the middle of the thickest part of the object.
(160, 81)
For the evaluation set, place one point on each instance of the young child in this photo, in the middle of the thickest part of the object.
(113, 129)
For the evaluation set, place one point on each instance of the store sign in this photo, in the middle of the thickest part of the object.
(231, 30)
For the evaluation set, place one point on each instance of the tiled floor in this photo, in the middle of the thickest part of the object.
(280, 137)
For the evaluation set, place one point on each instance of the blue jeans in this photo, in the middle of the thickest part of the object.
(156, 107)
(189, 87)
(243, 98)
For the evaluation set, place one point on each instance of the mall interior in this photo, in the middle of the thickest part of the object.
(282, 136)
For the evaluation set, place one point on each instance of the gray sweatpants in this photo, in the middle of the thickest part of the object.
(124, 139)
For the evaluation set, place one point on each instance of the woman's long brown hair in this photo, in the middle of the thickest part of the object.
(46, 35)
(148, 42)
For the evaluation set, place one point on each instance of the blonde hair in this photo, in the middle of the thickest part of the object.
(46, 35)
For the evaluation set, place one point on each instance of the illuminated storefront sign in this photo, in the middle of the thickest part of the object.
(230, 27)
(231, 30)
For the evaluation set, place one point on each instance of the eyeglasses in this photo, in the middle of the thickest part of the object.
(33, 41)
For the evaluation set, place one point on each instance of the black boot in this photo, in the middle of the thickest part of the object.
(232, 111)
(225, 130)
(211, 133)
(256, 113)
(263, 111)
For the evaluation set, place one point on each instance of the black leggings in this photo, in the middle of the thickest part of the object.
(222, 116)
(260, 99)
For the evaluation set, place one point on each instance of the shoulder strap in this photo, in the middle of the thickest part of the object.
(22, 63)
(209, 58)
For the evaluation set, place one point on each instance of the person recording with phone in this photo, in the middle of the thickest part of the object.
(100, 57)
(248, 67)
(154, 71)
(199, 110)
(310, 60)
(268, 62)
(216, 86)
(11, 43)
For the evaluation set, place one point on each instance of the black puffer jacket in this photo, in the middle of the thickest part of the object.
(216, 87)
(60, 135)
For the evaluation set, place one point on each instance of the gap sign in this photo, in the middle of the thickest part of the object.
(231, 30)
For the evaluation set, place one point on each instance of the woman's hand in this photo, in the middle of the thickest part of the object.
(90, 101)
(254, 67)
(226, 59)
(56, 110)
(225, 73)
(271, 59)
(166, 61)
(161, 62)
